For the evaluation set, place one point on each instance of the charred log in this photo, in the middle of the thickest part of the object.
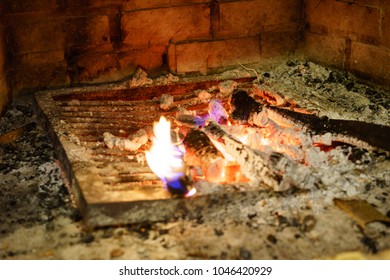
(361, 134)
(346, 131)
(243, 106)
(198, 144)
(202, 152)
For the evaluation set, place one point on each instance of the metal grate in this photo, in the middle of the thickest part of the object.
(113, 186)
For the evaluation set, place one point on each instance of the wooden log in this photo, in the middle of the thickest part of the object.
(197, 143)
(357, 133)
(200, 151)
(361, 134)
(243, 106)
(275, 170)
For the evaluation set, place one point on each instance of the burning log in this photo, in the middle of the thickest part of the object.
(197, 143)
(200, 151)
(243, 106)
(357, 133)
(275, 170)
(361, 134)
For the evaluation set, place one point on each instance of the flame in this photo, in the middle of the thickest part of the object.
(164, 158)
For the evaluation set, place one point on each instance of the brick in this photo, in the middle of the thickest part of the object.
(4, 89)
(93, 3)
(325, 49)
(39, 58)
(204, 57)
(27, 77)
(152, 4)
(1, 11)
(145, 28)
(386, 27)
(4, 94)
(369, 3)
(21, 6)
(246, 18)
(17, 6)
(346, 20)
(89, 32)
(233, 51)
(370, 60)
(2, 49)
(191, 57)
(279, 44)
(42, 36)
(150, 59)
(94, 68)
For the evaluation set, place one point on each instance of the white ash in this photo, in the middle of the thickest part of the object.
(132, 143)
(166, 102)
(72, 137)
(272, 98)
(325, 139)
(140, 157)
(226, 88)
(204, 95)
(140, 78)
(166, 80)
(183, 111)
(328, 92)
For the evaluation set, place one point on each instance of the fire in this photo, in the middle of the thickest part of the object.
(166, 159)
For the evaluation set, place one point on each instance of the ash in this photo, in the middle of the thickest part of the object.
(335, 94)
(39, 221)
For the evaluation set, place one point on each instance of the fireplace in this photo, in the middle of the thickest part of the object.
(239, 137)
(306, 81)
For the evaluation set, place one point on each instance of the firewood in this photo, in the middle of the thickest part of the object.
(357, 133)
(361, 134)
(200, 151)
(257, 167)
(275, 170)
(243, 106)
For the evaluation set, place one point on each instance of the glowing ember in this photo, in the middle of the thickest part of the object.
(165, 160)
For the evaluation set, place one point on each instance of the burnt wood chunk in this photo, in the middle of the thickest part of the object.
(374, 134)
(243, 105)
(198, 144)
(346, 131)
(357, 133)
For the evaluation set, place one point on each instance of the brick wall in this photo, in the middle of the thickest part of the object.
(55, 43)
(245, 31)
(4, 90)
(59, 43)
(350, 34)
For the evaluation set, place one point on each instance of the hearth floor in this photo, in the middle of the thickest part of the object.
(38, 219)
